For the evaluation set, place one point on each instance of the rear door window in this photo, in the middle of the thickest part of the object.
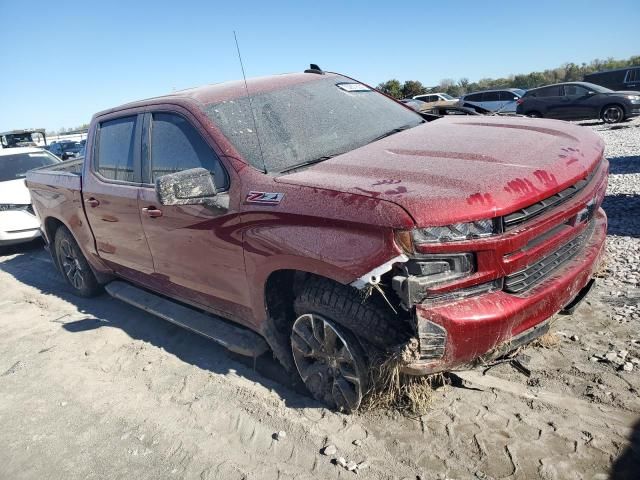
(491, 97)
(574, 91)
(507, 96)
(553, 91)
(115, 155)
(176, 146)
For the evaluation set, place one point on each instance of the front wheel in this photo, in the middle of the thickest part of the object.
(74, 265)
(612, 114)
(330, 362)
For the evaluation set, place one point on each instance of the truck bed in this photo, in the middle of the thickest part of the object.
(65, 175)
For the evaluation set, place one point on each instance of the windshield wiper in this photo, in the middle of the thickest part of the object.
(396, 130)
(309, 162)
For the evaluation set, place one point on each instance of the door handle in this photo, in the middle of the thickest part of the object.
(152, 212)
(92, 202)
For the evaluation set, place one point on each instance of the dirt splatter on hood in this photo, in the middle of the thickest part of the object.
(459, 169)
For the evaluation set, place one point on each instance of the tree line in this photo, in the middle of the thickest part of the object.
(65, 131)
(569, 72)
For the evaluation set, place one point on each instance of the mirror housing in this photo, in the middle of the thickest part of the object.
(189, 187)
(590, 92)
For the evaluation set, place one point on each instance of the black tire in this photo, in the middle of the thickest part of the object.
(612, 114)
(534, 114)
(74, 266)
(370, 320)
(357, 323)
(330, 362)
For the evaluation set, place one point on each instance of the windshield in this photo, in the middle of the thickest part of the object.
(308, 122)
(596, 88)
(17, 165)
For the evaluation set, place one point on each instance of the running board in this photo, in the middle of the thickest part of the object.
(234, 338)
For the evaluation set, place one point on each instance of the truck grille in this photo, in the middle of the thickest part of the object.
(525, 279)
(525, 214)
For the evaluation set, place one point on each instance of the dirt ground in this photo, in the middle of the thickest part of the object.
(97, 389)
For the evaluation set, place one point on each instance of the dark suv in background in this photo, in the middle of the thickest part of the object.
(627, 78)
(65, 149)
(579, 100)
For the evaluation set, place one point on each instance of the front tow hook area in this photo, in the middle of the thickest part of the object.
(573, 304)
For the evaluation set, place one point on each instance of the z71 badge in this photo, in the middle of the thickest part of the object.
(264, 198)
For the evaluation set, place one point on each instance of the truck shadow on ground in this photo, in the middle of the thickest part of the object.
(32, 267)
(622, 212)
(627, 465)
(624, 165)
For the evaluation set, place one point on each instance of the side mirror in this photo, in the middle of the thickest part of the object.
(189, 187)
(591, 92)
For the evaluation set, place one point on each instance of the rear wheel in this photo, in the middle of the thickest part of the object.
(73, 265)
(612, 114)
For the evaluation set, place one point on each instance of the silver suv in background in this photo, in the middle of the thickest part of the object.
(503, 100)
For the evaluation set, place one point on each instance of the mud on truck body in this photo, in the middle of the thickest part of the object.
(313, 216)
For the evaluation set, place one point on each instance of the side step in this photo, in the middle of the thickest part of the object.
(234, 338)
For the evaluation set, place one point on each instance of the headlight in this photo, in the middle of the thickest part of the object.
(415, 277)
(436, 269)
(455, 232)
(633, 97)
(12, 206)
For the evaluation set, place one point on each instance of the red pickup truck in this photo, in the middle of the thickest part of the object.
(312, 215)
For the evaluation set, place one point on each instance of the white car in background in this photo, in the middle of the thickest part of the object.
(18, 222)
(435, 98)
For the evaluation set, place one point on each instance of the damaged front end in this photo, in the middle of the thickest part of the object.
(450, 284)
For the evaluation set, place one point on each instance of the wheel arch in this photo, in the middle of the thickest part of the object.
(278, 294)
(50, 226)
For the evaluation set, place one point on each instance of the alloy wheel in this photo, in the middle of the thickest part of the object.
(328, 364)
(71, 265)
(612, 115)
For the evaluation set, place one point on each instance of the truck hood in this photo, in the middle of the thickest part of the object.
(14, 192)
(460, 169)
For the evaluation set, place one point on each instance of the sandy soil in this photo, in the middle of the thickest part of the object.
(96, 389)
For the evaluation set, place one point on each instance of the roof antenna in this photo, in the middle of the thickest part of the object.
(253, 115)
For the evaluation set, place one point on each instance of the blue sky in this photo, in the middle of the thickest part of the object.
(63, 61)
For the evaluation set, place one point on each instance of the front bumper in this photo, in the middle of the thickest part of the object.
(18, 227)
(470, 328)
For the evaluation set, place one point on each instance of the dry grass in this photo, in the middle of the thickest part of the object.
(548, 340)
(392, 390)
(602, 271)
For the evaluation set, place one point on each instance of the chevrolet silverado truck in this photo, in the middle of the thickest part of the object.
(310, 215)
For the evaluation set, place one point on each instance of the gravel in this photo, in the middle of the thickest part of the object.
(622, 204)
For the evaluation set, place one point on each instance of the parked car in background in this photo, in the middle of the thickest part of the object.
(65, 149)
(446, 110)
(55, 149)
(18, 222)
(503, 100)
(432, 98)
(627, 78)
(29, 137)
(579, 100)
(417, 105)
(464, 245)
